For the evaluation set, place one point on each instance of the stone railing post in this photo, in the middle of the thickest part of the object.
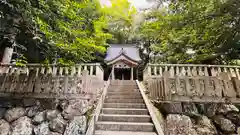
(7, 56)
(147, 72)
(86, 81)
(99, 71)
(167, 90)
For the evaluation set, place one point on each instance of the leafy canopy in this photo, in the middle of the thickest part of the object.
(121, 17)
(209, 27)
(70, 30)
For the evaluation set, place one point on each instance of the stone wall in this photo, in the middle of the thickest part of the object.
(44, 116)
(200, 119)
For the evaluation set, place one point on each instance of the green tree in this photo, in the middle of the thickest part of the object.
(210, 27)
(121, 20)
(70, 30)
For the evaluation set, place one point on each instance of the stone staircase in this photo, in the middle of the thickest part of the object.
(124, 112)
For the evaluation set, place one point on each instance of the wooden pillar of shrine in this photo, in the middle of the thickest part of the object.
(131, 73)
(113, 75)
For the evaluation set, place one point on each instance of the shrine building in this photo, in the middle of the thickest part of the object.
(123, 60)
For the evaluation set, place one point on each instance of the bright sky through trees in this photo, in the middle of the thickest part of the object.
(136, 3)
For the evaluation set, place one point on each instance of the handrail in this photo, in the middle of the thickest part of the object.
(95, 69)
(193, 65)
(151, 111)
(42, 65)
(156, 70)
(98, 64)
(91, 126)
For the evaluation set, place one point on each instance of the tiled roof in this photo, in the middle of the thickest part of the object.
(130, 50)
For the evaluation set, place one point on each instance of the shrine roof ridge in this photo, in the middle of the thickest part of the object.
(129, 50)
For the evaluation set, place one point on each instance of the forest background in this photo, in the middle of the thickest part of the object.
(79, 31)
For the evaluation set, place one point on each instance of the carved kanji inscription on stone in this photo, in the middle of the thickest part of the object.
(182, 88)
(172, 86)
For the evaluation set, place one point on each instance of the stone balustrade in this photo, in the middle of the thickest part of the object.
(223, 88)
(156, 70)
(34, 80)
(94, 69)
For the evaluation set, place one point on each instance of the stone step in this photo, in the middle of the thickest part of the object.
(123, 97)
(124, 93)
(124, 85)
(124, 126)
(100, 132)
(125, 118)
(129, 111)
(124, 100)
(123, 82)
(124, 105)
(124, 90)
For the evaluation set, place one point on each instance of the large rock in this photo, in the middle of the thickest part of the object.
(234, 117)
(22, 126)
(76, 108)
(226, 125)
(77, 126)
(51, 114)
(14, 113)
(39, 117)
(225, 108)
(42, 129)
(170, 108)
(55, 104)
(238, 130)
(4, 127)
(32, 111)
(205, 126)
(179, 125)
(63, 104)
(58, 124)
(200, 107)
(210, 109)
(54, 133)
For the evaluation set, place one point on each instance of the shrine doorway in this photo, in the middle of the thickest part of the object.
(122, 73)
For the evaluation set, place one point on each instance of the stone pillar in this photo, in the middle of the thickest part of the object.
(147, 72)
(6, 59)
(7, 55)
(85, 81)
(99, 72)
(131, 73)
(113, 76)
